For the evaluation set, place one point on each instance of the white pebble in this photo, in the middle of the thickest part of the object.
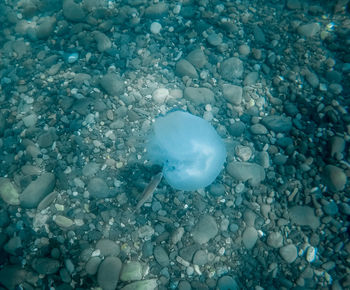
(160, 95)
(156, 27)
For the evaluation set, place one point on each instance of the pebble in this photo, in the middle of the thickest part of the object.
(244, 50)
(312, 79)
(205, 229)
(258, 129)
(112, 84)
(227, 283)
(289, 253)
(200, 258)
(197, 58)
(35, 192)
(334, 178)
(45, 266)
(331, 208)
(263, 159)
(98, 188)
(103, 41)
(150, 284)
(131, 271)
(108, 273)
(155, 27)
(214, 39)
(160, 95)
(337, 145)
(157, 10)
(278, 124)
(185, 68)
(244, 153)
(231, 69)
(309, 30)
(237, 129)
(63, 221)
(108, 248)
(275, 240)
(232, 93)
(249, 237)
(199, 96)
(73, 11)
(245, 171)
(251, 78)
(8, 192)
(304, 216)
(92, 265)
(30, 120)
(161, 256)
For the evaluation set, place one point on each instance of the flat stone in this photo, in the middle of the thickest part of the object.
(335, 178)
(8, 192)
(157, 10)
(205, 229)
(200, 258)
(245, 171)
(185, 68)
(102, 40)
(289, 253)
(199, 96)
(35, 192)
(304, 216)
(63, 221)
(109, 272)
(277, 123)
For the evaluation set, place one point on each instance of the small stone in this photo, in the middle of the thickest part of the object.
(251, 78)
(289, 253)
(103, 41)
(35, 192)
(309, 30)
(278, 124)
(45, 266)
(214, 39)
(185, 68)
(73, 11)
(157, 10)
(155, 27)
(200, 258)
(243, 152)
(199, 96)
(30, 120)
(92, 265)
(249, 237)
(245, 171)
(227, 283)
(108, 247)
(160, 95)
(258, 129)
(150, 284)
(63, 221)
(131, 271)
(8, 192)
(231, 69)
(304, 216)
(98, 188)
(331, 208)
(232, 93)
(108, 273)
(161, 256)
(312, 79)
(334, 178)
(205, 229)
(197, 58)
(337, 146)
(275, 240)
(244, 50)
(112, 84)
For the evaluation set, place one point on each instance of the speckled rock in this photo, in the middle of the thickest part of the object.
(185, 68)
(245, 171)
(232, 93)
(8, 192)
(197, 58)
(304, 216)
(112, 84)
(278, 124)
(131, 271)
(231, 69)
(199, 96)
